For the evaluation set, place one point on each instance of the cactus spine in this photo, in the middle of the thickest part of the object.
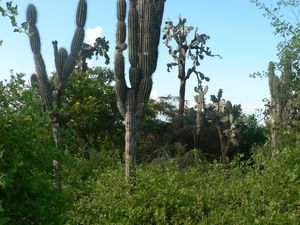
(144, 22)
(64, 63)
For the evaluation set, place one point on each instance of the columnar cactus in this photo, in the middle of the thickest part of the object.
(279, 91)
(144, 22)
(200, 105)
(65, 64)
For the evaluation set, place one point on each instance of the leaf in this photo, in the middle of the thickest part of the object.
(245, 119)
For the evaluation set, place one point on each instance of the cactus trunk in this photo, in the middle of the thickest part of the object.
(224, 142)
(181, 97)
(275, 107)
(130, 143)
(65, 64)
(144, 21)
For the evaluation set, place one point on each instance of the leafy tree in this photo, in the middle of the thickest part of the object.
(26, 191)
(251, 134)
(284, 75)
(90, 114)
(194, 50)
(157, 129)
(11, 11)
(100, 48)
(280, 15)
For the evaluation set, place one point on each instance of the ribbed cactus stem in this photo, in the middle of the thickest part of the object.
(272, 79)
(77, 41)
(144, 20)
(121, 10)
(35, 45)
(31, 15)
(64, 64)
(81, 13)
(144, 92)
(61, 57)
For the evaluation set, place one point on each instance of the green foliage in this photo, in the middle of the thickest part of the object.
(90, 113)
(26, 150)
(100, 48)
(260, 192)
(11, 11)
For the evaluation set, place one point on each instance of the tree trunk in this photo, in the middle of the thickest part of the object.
(130, 143)
(58, 142)
(224, 145)
(181, 96)
(276, 122)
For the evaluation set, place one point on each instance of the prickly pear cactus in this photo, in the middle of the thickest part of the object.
(226, 117)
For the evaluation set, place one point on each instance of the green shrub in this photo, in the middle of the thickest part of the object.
(26, 152)
(242, 192)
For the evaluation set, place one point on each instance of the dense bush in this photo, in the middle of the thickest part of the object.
(26, 152)
(260, 191)
(179, 188)
(90, 114)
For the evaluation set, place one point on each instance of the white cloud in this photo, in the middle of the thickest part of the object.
(92, 34)
(89, 63)
(154, 95)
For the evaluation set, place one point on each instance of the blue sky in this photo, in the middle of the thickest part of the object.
(238, 31)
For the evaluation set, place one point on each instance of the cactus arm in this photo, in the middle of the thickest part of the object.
(35, 44)
(149, 38)
(121, 86)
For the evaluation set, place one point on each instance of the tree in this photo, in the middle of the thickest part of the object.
(90, 116)
(26, 151)
(184, 50)
(11, 11)
(65, 63)
(100, 47)
(284, 106)
(144, 22)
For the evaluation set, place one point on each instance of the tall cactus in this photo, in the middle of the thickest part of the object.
(226, 117)
(200, 105)
(144, 22)
(280, 93)
(64, 63)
